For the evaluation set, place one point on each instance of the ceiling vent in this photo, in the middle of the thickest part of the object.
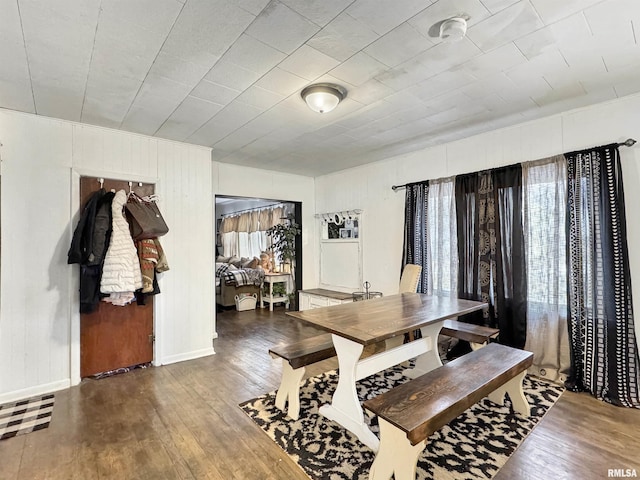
(453, 29)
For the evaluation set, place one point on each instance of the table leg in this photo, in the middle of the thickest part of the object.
(429, 360)
(261, 295)
(271, 296)
(345, 405)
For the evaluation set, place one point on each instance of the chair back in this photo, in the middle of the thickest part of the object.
(410, 278)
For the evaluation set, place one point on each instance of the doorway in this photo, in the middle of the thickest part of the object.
(225, 205)
(114, 337)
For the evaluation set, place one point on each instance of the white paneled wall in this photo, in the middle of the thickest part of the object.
(42, 160)
(369, 187)
(240, 181)
(35, 311)
(185, 320)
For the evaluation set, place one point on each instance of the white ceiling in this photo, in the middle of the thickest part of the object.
(228, 74)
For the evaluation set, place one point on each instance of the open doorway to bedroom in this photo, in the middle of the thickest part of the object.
(243, 254)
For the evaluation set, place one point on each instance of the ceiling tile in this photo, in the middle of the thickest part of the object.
(319, 13)
(231, 75)
(190, 115)
(572, 30)
(308, 63)
(282, 82)
(498, 60)
(358, 69)
(15, 83)
(368, 13)
(505, 26)
(259, 97)
(551, 11)
(229, 119)
(252, 6)
(214, 92)
(108, 98)
(343, 37)
(205, 29)
(252, 54)
(177, 69)
(157, 90)
(442, 83)
(437, 59)
(386, 50)
(154, 15)
(370, 92)
(281, 28)
(495, 6)
(569, 91)
(143, 120)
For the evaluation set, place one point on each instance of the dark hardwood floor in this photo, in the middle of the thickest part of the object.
(182, 421)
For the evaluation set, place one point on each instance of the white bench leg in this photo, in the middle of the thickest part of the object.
(514, 388)
(290, 389)
(396, 455)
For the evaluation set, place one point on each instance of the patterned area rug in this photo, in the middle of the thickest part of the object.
(473, 446)
(25, 416)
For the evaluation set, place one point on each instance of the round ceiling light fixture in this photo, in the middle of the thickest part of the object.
(323, 97)
(453, 29)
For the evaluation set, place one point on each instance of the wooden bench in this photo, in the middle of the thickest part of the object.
(411, 412)
(477, 335)
(295, 357)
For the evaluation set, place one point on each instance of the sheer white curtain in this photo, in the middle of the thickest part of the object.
(443, 238)
(545, 193)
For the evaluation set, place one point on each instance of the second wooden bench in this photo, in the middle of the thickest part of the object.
(295, 357)
(410, 413)
(477, 335)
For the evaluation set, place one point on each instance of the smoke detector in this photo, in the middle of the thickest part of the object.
(453, 29)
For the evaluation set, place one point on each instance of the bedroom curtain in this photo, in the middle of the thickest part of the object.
(544, 209)
(604, 355)
(245, 234)
(416, 232)
(491, 250)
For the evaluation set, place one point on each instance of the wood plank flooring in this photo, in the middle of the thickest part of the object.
(182, 421)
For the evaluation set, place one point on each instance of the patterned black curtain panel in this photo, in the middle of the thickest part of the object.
(604, 356)
(491, 249)
(416, 231)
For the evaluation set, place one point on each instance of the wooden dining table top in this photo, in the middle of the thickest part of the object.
(371, 321)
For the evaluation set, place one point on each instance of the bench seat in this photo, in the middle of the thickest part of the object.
(476, 335)
(295, 357)
(410, 413)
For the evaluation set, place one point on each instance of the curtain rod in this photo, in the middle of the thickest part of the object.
(264, 207)
(629, 142)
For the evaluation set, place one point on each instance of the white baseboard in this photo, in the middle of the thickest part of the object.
(33, 391)
(187, 356)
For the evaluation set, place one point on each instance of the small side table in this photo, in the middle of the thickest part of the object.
(272, 278)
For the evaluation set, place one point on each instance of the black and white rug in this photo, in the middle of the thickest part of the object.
(473, 446)
(25, 416)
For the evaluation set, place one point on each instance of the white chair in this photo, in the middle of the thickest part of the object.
(408, 284)
(410, 278)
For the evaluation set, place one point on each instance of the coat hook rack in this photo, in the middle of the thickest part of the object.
(101, 180)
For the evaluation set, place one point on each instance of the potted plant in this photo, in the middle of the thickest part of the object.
(283, 244)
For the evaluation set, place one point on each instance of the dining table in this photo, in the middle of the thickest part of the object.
(355, 325)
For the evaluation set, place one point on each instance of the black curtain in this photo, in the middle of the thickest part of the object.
(416, 231)
(604, 355)
(491, 250)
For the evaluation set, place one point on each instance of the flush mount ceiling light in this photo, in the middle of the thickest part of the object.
(453, 29)
(323, 97)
